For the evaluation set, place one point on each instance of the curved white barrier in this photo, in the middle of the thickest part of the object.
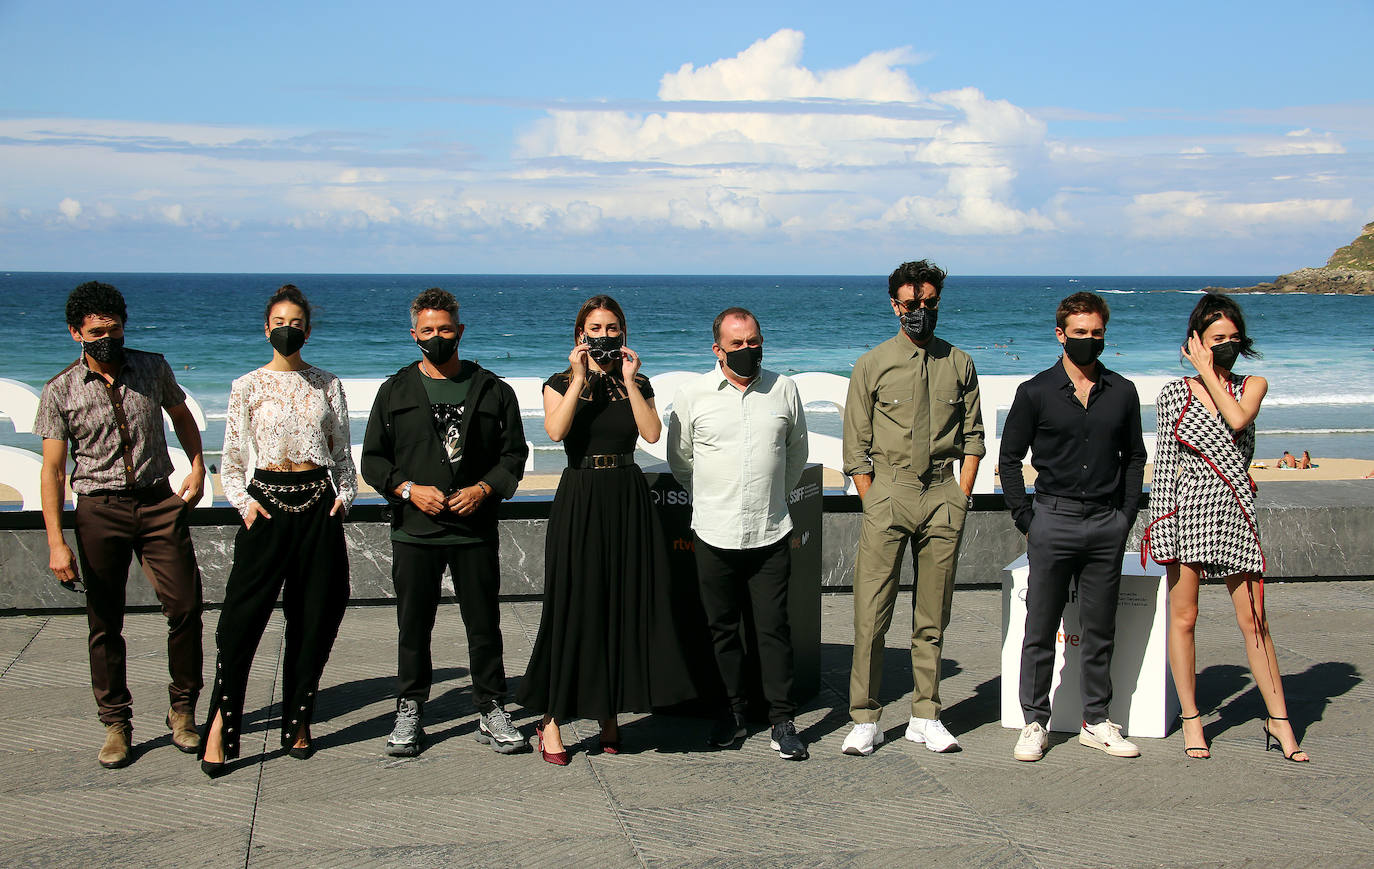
(19, 401)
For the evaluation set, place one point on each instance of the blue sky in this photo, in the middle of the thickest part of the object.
(996, 138)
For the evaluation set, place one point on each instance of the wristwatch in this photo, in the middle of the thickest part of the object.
(405, 490)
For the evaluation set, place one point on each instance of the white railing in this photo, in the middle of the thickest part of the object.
(19, 402)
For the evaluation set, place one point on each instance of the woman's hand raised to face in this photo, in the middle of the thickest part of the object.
(629, 363)
(1199, 354)
(577, 360)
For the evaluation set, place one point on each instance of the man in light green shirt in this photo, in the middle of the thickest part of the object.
(737, 443)
(911, 415)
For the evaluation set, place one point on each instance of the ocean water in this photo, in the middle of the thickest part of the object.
(1318, 350)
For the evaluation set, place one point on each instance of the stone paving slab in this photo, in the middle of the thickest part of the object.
(666, 801)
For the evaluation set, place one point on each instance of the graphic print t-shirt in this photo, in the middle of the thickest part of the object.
(447, 397)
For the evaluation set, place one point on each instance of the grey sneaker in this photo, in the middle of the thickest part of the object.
(786, 742)
(405, 737)
(495, 728)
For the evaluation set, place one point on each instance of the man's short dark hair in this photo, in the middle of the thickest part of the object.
(916, 273)
(433, 299)
(1081, 303)
(727, 314)
(95, 298)
(287, 293)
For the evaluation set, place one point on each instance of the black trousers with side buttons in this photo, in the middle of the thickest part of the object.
(300, 555)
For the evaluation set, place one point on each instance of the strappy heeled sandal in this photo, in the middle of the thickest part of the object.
(1278, 746)
(1208, 755)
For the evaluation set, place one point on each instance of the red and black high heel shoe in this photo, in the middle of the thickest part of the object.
(557, 758)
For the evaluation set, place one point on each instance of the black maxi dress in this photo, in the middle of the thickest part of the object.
(607, 642)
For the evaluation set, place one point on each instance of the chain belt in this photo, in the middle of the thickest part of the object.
(272, 491)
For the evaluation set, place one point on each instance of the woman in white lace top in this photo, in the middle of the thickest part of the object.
(288, 422)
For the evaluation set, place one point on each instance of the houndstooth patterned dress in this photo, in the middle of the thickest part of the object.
(1202, 500)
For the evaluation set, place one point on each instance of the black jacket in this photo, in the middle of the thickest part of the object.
(402, 444)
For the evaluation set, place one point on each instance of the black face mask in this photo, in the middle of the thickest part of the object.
(439, 349)
(287, 340)
(920, 323)
(105, 350)
(1224, 355)
(745, 361)
(1084, 351)
(604, 349)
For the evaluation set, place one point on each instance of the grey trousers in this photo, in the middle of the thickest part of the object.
(1070, 540)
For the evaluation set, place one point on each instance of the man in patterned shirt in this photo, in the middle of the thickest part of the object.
(107, 405)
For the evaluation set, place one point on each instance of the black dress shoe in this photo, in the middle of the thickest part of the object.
(728, 730)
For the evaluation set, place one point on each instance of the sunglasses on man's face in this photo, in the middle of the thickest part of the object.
(912, 304)
(73, 585)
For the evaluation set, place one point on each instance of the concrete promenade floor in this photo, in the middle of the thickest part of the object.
(668, 802)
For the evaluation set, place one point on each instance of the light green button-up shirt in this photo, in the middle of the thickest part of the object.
(890, 384)
(739, 454)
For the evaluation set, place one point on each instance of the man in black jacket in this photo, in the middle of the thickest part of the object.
(444, 445)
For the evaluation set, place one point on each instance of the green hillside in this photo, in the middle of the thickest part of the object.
(1359, 254)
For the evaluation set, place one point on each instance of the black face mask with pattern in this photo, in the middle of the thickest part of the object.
(920, 323)
(107, 350)
(604, 349)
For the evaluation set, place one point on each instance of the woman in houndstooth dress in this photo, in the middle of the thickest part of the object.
(1202, 511)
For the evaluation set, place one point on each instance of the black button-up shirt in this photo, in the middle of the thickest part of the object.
(1094, 453)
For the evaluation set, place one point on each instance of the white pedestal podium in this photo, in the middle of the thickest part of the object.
(1144, 702)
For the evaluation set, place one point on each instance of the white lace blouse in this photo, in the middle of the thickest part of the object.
(286, 417)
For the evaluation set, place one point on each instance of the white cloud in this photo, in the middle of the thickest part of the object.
(950, 162)
(1294, 142)
(757, 150)
(1179, 213)
(771, 69)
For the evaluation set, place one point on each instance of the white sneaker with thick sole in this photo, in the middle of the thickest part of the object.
(1032, 743)
(1107, 737)
(863, 739)
(932, 734)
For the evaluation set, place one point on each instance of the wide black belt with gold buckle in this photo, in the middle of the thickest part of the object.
(601, 463)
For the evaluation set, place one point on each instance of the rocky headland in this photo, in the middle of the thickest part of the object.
(1349, 271)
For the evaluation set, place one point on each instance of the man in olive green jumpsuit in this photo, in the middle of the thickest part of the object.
(912, 414)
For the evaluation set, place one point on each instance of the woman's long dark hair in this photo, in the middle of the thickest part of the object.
(1212, 307)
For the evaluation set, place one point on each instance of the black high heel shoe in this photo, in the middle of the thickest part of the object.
(1277, 745)
(302, 752)
(1208, 755)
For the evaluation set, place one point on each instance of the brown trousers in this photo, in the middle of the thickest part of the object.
(152, 524)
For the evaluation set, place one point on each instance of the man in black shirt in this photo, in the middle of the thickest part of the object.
(1082, 425)
(444, 445)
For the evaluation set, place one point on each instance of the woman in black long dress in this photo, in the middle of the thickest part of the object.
(606, 641)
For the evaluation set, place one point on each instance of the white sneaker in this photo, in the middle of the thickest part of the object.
(1032, 743)
(863, 739)
(1107, 737)
(932, 734)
